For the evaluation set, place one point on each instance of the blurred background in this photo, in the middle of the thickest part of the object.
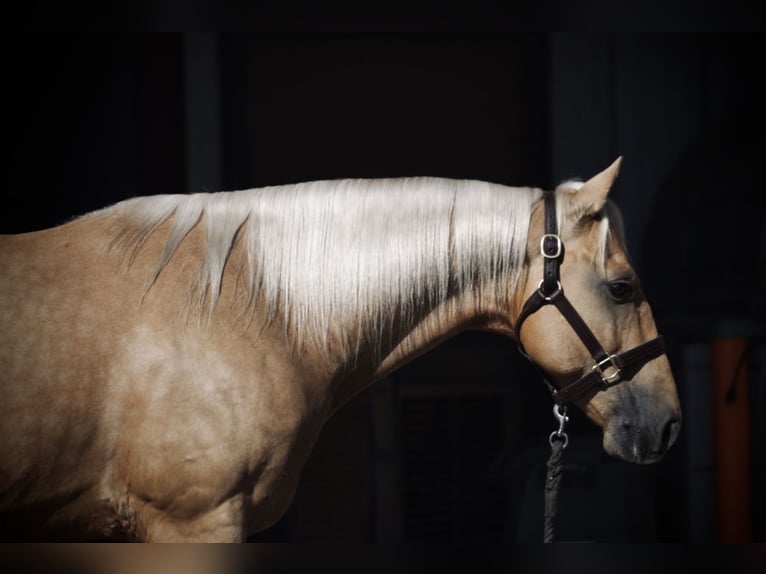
(452, 448)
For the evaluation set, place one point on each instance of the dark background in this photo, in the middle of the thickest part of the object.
(452, 448)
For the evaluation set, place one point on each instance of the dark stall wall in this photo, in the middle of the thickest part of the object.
(90, 119)
(319, 106)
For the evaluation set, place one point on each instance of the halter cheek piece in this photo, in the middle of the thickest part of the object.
(608, 369)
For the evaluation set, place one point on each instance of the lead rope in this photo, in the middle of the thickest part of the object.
(558, 441)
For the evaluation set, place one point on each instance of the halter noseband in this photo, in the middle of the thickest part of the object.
(608, 369)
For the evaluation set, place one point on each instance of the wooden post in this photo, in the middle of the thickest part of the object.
(731, 410)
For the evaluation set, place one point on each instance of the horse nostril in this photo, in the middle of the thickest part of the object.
(670, 433)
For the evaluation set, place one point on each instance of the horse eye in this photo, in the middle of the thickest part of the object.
(621, 291)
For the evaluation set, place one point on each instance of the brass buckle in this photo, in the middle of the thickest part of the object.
(602, 367)
(558, 246)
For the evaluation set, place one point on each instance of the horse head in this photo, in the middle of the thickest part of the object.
(588, 326)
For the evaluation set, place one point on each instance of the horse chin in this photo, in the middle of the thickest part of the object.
(630, 448)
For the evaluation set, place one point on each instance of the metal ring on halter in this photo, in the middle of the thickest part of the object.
(556, 435)
(552, 295)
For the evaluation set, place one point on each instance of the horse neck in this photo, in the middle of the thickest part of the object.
(467, 311)
(473, 310)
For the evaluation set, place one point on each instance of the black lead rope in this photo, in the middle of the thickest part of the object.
(558, 441)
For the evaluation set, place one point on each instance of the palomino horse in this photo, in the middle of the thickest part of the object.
(168, 362)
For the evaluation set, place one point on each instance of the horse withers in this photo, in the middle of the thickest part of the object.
(168, 362)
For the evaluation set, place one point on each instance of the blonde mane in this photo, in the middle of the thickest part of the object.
(341, 255)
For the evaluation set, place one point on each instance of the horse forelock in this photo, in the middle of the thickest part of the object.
(609, 221)
(336, 258)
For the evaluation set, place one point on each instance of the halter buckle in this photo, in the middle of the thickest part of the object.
(559, 246)
(604, 365)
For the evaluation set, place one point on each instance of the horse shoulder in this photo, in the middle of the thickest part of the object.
(204, 418)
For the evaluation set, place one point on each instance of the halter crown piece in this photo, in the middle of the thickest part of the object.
(608, 369)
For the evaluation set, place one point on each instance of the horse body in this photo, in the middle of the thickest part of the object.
(169, 403)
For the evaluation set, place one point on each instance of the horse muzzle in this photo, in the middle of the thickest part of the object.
(642, 437)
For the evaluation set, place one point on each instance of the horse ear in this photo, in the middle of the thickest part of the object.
(591, 196)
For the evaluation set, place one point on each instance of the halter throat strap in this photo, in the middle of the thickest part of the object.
(608, 369)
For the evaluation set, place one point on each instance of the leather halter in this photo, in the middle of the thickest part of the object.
(608, 369)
